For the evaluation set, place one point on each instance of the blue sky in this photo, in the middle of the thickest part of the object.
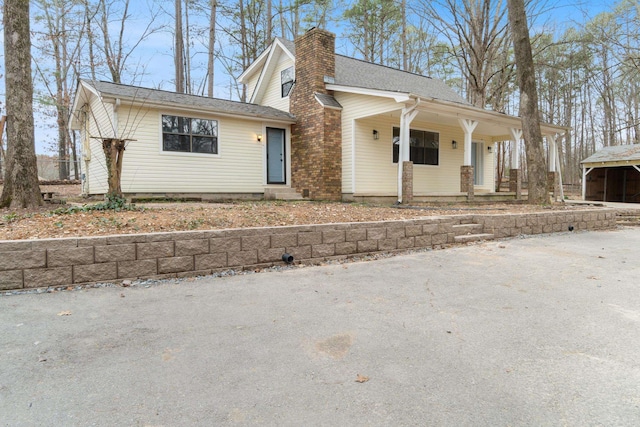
(154, 55)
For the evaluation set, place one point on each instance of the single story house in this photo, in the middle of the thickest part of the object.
(612, 174)
(319, 124)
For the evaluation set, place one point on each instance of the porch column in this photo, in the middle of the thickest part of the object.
(515, 177)
(552, 180)
(466, 170)
(406, 117)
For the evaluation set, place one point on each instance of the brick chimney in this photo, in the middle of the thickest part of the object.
(316, 138)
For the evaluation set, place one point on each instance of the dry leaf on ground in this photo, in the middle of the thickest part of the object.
(361, 379)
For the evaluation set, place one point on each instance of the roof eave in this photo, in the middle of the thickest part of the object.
(397, 96)
(207, 110)
(474, 112)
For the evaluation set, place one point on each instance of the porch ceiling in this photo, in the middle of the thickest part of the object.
(495, 125)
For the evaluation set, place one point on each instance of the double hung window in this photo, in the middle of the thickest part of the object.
(423, 146)
(188, 135)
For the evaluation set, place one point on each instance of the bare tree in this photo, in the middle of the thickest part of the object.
(536, 169)
(211, 48)
(64, 31)
(117, 50)
(178, 54)
(21, 189)
(477, 32)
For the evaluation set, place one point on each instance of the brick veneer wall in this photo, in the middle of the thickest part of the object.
(515, 182)
(61, 262)
(316, 138)
(407, 182)
(467, 181)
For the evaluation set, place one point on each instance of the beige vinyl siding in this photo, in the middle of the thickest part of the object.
(377, 174)
(251, 85)
(356, 106)
(100, 122)
(237, 168)
(273, 95)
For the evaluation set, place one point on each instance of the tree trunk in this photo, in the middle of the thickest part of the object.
(536, 168)
(3, 121)
(212, 46)
(113, 152)
(179, 56)
(21, 189)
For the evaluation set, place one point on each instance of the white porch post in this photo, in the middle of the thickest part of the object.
(406, 117)
(466, 170)
(515, 176)
(552, 152)
(468, 127)
(515, 147)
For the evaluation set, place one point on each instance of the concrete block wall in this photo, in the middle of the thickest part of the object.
(62, 262)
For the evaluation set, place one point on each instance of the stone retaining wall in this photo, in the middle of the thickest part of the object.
(61, 262)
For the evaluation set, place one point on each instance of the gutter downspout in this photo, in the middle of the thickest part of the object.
(406, 117)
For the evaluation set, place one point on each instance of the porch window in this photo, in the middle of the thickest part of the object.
(423, 147)
(286, 81)
(187, 135)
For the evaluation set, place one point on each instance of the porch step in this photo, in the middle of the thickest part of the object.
(473, 237)
(466, 229)
(628, 218)
(281, 193)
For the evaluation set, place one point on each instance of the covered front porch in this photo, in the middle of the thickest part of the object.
(435, 151)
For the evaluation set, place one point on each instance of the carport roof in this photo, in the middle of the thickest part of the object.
(618, 153)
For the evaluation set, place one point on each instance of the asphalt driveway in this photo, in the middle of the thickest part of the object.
(536, 331)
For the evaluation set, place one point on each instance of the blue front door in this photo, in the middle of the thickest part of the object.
(276, 156)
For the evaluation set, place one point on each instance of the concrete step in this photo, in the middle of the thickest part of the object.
(464, 229)
(281, 193)
(473, 237)
(288, 196)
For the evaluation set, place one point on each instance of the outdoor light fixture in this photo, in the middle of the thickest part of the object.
(259, 137)
(490, 149)
(454, 144)
(376, 135)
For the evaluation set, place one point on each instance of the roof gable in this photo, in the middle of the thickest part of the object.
(355, 73)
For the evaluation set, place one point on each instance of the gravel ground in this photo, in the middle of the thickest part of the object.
(75, 219)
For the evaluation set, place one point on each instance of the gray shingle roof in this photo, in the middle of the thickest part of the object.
(327, 100)
(617, 153)
(357, 73)
(171, 98)
(366, 75)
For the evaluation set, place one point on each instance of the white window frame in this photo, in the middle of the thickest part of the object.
(163, 152)
(423, 130)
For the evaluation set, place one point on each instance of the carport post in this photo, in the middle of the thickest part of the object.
(585, 172)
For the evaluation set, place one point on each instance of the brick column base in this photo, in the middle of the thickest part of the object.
(407, 182)
(466, 181)
(553, 185)
(515, 182)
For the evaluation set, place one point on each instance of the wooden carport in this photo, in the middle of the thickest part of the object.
(612, 175)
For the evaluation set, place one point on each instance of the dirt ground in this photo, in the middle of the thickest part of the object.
(54, 220)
